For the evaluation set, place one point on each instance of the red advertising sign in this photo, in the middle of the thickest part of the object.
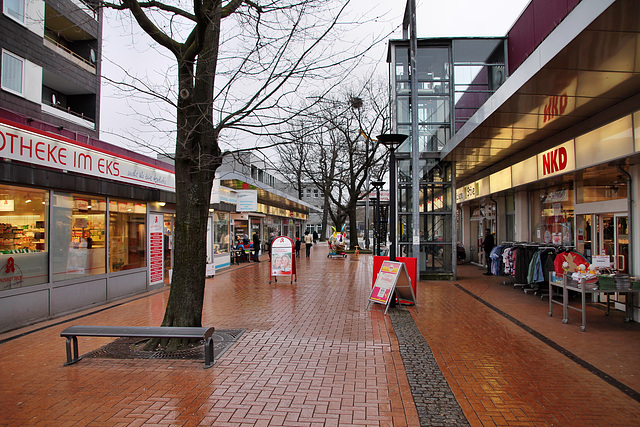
(385, 282)
(155, 248)
(283, 259)
(392, 281)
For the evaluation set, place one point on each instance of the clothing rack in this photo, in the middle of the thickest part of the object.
(527, 263)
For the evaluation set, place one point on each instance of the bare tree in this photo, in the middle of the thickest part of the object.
(239, 64)
(335, 153)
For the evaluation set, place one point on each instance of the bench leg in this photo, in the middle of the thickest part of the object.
(208, 353)
(75, 359)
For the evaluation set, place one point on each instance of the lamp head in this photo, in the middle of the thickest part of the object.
(392, 140)
(378, 184)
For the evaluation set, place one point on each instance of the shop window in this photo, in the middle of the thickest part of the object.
(127, 235)
(221, 232)
(23, 237)
(601, 184)
(553, 214)
(77, 236)
(12, 73)
(240, 231)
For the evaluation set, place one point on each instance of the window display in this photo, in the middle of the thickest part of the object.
(221, 232)
(23, 237)
(77, 236)
(127, 235)
(554, 209)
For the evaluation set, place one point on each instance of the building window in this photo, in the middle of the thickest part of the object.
(15, 9)
(12, 73)
(77, 236)
(127, 235)
(23, 237)
(316, 193)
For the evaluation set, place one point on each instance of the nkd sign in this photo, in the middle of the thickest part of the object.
(556, 161)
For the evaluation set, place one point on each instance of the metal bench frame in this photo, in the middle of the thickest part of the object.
(73, 332)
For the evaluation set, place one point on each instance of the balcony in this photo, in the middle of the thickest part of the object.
(70, 40)
(66, 100)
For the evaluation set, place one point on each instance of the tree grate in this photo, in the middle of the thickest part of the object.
(132, 348)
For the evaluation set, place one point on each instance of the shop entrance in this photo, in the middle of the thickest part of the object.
(606, 234)
(613, 235)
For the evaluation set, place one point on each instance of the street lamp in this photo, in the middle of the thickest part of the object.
(376, 215)
(392, 141)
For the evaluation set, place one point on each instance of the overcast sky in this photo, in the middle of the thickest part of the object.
(124, 48)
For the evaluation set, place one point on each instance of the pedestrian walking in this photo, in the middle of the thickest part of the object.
(315, 236)
(256, 246)
(308, 241)
(298, 247)
(488, 244)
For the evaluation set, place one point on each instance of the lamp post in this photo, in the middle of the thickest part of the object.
(376, 215)
(392, 141)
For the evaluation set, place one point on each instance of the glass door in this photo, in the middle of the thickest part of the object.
(607, 236)
(622, 243)
(621, 253)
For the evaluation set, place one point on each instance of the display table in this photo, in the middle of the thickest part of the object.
(584, 290)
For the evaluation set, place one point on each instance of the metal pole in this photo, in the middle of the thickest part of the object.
(366, 211)
(415, 134)
(392, 202)
(378, 220)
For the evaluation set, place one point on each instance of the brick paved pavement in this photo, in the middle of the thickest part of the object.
(502, 374)
(312, 354)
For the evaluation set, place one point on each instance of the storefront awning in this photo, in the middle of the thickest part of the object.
(585, 74)
(268, 195)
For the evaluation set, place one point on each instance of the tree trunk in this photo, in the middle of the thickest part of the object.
(353, 228)
(325, 219)
(196, 159)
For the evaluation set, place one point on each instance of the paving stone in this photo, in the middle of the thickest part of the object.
(313, 353)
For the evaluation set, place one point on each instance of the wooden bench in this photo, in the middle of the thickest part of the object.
(73, 332)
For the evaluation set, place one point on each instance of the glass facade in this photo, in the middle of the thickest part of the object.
(221, 232)
(435, 210)
(55, 236)
(479, 69)
(77, 236)
(434, 98)
(127, 235)
(23, 237)
(454, 78)
(552, 213)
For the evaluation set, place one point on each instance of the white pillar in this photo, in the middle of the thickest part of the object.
(523, 225)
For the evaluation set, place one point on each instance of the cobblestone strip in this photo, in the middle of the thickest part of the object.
(435, 402)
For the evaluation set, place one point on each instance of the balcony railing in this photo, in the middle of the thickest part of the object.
(83, 61)
(68, 114)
